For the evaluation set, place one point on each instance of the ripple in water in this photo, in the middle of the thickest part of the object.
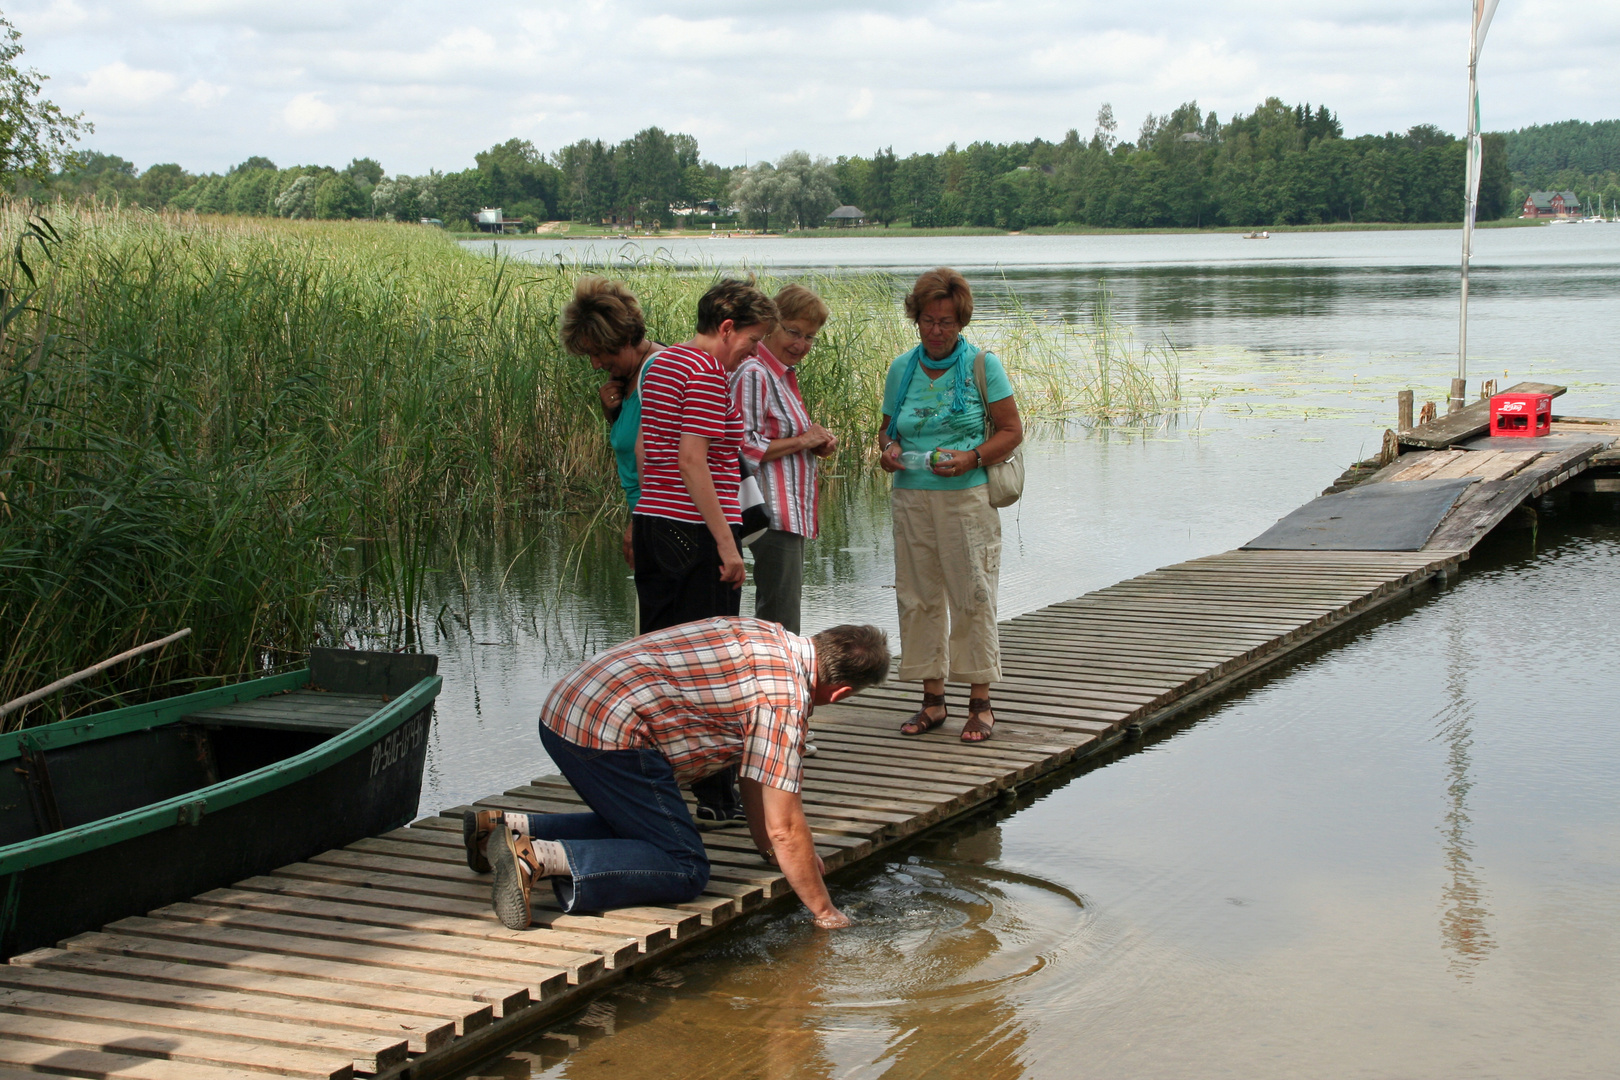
(945, 932)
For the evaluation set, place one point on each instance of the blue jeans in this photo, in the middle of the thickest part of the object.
(637, 845)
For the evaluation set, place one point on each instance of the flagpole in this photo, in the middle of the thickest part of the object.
(1479, 22)
(1472, 189)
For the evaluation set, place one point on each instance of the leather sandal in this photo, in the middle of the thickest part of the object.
(476, 828)
(516, 866)
(977, 730)
(921, 722)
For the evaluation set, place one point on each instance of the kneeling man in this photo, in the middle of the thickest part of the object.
(630, 726)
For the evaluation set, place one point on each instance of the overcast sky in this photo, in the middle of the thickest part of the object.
(418, 84)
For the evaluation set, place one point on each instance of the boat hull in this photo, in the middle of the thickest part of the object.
(358, 784)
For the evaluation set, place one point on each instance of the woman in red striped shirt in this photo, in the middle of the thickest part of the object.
(688, 565)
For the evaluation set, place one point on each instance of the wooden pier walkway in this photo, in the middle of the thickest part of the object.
(383, 958)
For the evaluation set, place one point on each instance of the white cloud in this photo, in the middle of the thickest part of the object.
(419, 84)
(204, 94)
(118, 86)
(308, 114)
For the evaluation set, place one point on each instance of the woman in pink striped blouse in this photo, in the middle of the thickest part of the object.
(781, 444)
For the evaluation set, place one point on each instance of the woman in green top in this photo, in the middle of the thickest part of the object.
(603, 321)
(947, 536)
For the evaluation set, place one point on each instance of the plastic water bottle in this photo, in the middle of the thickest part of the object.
(919, 460)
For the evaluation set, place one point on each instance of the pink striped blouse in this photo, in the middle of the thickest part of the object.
(767, 394)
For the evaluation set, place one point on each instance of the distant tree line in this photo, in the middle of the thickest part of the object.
(1572, 155)
(1278, 165)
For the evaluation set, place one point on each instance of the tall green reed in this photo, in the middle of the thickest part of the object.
(272, 431)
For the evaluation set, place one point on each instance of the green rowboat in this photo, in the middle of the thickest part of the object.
(121, 812)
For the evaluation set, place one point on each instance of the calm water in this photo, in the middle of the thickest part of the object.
(1398, 857)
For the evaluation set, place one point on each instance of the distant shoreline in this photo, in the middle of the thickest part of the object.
(586, 232)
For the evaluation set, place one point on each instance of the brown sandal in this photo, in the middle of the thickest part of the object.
(921, 722)
(977, 730)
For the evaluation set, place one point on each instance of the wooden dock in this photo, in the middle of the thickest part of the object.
(384, 959)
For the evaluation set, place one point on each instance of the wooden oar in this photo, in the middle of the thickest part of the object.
(79, 676)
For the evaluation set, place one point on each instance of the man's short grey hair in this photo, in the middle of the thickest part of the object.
(852, 655)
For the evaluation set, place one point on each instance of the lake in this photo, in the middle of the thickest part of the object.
(1396, 856)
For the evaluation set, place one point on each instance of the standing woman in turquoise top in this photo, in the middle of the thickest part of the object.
(603, 321)
(947, 536)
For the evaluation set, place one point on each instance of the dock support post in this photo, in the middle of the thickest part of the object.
(1459, 396)
(1403, 418)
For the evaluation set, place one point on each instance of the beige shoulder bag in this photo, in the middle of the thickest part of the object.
(1006, 477)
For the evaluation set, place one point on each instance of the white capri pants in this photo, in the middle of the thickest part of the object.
(947, 566)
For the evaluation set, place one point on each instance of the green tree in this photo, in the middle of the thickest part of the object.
(157, 185)
(878, 197)
(296, 200)
(1495, 180)
(517, 178)
(365, 172)
(340, 197)
(35, 135)
(758, 193)
(650, 172)
(808, 191)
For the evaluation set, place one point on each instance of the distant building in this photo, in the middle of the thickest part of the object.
(490, 219)
(847, 215)
(1552, 204)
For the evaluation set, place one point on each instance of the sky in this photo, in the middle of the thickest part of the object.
(418, 85)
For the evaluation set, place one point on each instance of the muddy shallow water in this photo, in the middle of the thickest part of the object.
(1399, 855)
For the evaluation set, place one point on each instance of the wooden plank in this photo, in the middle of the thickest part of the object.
(451, 933)
(33, 1041)
(30, 1059)
(467, 1003)
(582, 966)
(154, 982)
(367, 1054)
(648, 937)
(680, 924)
(1488, 502)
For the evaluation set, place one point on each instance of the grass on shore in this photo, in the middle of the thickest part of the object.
(268, 430)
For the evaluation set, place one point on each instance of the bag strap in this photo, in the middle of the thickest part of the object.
(984, 393)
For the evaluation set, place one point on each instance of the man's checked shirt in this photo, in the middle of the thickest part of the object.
(704, 694)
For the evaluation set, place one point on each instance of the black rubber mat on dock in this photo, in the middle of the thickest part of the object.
(1372, 517)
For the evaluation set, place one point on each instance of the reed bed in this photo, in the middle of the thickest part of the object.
(271, 430)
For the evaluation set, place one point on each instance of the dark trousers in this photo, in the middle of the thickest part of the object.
(678, 573)
(778, 577)
(637, 845)
(678, 581)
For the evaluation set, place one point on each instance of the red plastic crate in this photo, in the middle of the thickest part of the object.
(1521, 415)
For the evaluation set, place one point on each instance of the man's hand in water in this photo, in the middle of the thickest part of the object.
(776, 820)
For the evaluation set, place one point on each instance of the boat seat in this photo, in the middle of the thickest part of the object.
(297, 710)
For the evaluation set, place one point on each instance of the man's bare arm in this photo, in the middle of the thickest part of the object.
(776, 819)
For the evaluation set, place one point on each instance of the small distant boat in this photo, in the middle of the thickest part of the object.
(1257, 236)
(117, 813)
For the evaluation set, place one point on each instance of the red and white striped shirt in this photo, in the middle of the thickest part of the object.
(767, 394)
(704, 694)
(683, 392)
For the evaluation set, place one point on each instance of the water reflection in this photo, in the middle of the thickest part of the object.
(1464, 928)
(923, 986)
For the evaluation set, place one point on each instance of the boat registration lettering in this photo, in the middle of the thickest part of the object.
(386, 752)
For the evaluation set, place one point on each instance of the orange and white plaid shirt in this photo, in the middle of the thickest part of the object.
(704, 694)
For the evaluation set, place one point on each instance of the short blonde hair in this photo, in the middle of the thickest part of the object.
(797, 302)
(941, 283)
(603, 317)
